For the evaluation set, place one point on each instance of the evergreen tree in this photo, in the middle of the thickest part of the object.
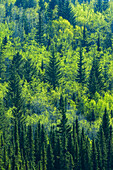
(37, 142)
(98, 44)
(63, 131)
(53, 73)
(105, 125)
(81, 69)
(30, 70)
(103, 148)
(96, 83)
(40, 30)
(57, 156)
(50, 158)
(30, 147)
(44, 157)
(2, 60)
(94, 156)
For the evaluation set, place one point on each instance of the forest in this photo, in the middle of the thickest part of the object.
(56, 85)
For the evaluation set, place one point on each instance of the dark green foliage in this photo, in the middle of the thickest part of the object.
(81, 69)
(30, 147)
(98, 6)
(98, 44)
(40, 29)
(30, 70)
(2, 60)
(105, 125)
(53, 73)
(94, 156)
(50, 159)
(96, 81)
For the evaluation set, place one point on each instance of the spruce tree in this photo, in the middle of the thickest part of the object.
(50, 158)
(30, 147)
(37, 143)
(40, 29)
(81, 69)
(96, 81)
(57, 156)
(94, 156)
(106, 124)
(63, 131)
(53, 72)
(2, 60)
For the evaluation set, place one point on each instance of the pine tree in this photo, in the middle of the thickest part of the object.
(103, 148)
(30, 147)
(50, 158)
(63, 131)
(57, 158)
(2, 60)
(94, 156)
(105, 125)
(37, 142)
(98, 44)
(44, 157)
(53, 72)
(40, 29)
(81, 69)
(96, 82)
(30, 70)
(17, 62)
(17, 154)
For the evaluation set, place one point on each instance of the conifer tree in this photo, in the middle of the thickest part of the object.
(81, 69)
(53, 72)
(94, 156)
(44, 157)
(98, 44)
(40, 29)
(50, 158)
(37, 142)
(30, 70)
(96, 82)
(103, 148)
(30, 147)
(2, 60)
(106, 124)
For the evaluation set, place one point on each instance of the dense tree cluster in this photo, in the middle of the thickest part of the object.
(56, 84)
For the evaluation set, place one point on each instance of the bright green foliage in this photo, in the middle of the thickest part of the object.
(46, 78)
